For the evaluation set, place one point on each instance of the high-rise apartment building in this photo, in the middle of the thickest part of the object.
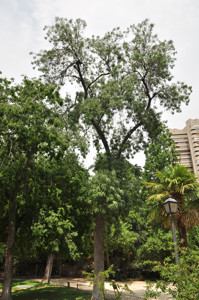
(187, 144)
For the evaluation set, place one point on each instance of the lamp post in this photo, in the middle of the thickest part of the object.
(171, 208)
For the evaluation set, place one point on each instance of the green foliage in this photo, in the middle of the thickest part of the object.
(105, 276)
(179, 281)
(122, 238)
(39, 170)
(193, 237)
(29, 126)
(100, 278)
(59, 214)
(119, 79)
(161, 153)
(52, 230)
(104, 194)
(26, 124)
(182, 185)
(157, 245)
(125, 237)
(122, 81)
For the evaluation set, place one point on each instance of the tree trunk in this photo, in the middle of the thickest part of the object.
(128, 260)
(48, 270)
(60, 269)
(98, 255)
(108, 260)
(7, 284)
(182, 234)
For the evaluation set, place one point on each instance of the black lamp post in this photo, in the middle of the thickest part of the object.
(171, 208)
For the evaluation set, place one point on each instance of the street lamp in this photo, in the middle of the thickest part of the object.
(171, 208)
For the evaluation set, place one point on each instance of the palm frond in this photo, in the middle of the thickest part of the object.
(190, 218)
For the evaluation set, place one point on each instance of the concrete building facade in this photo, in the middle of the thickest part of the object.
(187, 144)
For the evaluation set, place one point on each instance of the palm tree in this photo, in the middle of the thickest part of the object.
(179, 183)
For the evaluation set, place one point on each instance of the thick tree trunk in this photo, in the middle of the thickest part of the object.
(98, 255)
(182, 234)
(48, 270)
(7, 284)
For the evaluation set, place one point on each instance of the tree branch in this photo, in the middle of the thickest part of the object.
(132, 130)
(128, 135)
(101, 136)
(103, 74)
(78, 63)
(147, 92)
(63, 72)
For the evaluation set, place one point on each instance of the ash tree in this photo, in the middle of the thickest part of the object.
(122, 82)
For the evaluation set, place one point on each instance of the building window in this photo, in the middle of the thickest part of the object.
(195, 125)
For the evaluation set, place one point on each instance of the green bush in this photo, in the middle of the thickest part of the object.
(180, 281)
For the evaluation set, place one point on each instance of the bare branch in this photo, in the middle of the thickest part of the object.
(103, 74)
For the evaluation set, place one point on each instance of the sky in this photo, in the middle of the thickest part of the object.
(22, 22)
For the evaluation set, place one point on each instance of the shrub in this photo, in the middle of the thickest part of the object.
(180, 281)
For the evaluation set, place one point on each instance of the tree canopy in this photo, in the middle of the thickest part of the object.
(120, 79)
(30, 126)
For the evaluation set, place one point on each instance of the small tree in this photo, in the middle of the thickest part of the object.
(104, 196)
(180, 281)
(56, 219)
(181, 184)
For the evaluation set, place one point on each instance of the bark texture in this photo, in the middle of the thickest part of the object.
(182, 231)
(7, 284)
(48, 270)
(108, 260)
(98, 255)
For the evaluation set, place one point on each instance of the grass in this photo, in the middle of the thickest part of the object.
(17, 282)
(50, 293)
(42, 291)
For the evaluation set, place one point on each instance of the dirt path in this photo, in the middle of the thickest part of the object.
(138, 288)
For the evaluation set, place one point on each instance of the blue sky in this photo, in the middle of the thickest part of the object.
(22, 22)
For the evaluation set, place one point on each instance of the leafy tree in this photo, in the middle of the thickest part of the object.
(104, 196)
(160, 154)
(56, 222)
(181, 184)
(120, 79)
(29, 125)
(121, 240)
(157, 246)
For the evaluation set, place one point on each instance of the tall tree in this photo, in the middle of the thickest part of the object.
(120, 79)
(29, 125)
